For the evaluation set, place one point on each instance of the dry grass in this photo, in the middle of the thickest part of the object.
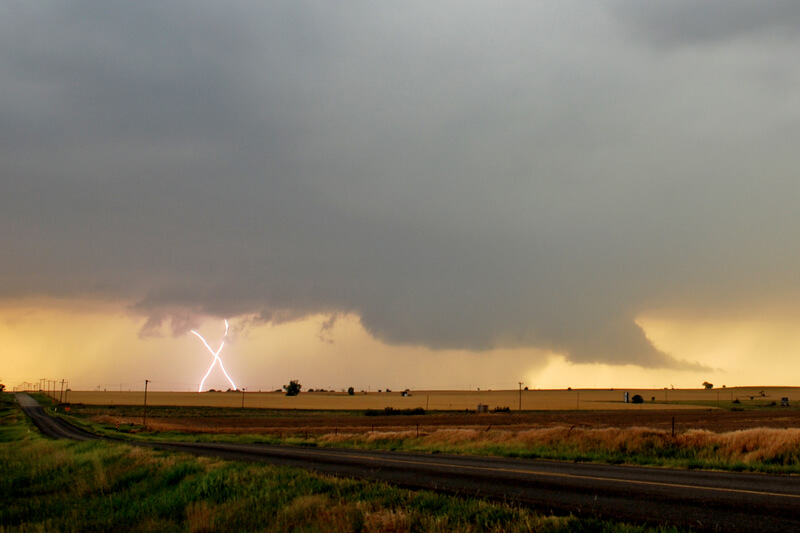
(199, 516)
(584, 399)
(752, 448)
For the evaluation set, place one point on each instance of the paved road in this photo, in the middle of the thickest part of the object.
(49, 425)
(708, 501)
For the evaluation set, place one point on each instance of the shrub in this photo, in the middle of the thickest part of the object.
(637, 398)
(293, 388)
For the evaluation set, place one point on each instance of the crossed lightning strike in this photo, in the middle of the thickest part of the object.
(216, 359)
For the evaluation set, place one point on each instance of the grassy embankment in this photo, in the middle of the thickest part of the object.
(52, 485)
(759, 449)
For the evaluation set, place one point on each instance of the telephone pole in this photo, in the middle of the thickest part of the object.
(520, 395)
(144, 418)
(61, 396)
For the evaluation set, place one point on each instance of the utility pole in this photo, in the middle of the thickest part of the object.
(243, 398)
(520, 395)
(144, 418)
(61, 396)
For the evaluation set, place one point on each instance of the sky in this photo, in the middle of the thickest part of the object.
(416, 194)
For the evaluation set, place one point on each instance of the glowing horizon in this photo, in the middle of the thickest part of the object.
(47, 337)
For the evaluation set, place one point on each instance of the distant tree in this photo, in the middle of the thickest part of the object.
(293, 388)
(351, 391)
(2, 387)
(637, 398)
(708, 385)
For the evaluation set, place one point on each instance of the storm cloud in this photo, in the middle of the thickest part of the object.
(458, 176)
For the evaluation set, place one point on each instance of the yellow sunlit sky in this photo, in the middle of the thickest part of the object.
(97, 345)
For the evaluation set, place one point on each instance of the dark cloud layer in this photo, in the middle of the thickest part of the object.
(688, 23)
(458, 177)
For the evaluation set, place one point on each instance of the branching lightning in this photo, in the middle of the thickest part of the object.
(216, 359)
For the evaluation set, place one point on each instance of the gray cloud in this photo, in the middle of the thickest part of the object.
(688, 23)
(458, 177)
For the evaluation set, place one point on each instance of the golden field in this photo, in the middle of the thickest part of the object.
(532, 400)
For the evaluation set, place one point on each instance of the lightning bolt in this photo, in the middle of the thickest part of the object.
(216, 358)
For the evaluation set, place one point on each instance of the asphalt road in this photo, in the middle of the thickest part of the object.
(706, 501)
(51, 426)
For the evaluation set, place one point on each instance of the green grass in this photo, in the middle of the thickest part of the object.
(53, 485)
(13, 427)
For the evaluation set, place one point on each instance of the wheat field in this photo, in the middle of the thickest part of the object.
(444, 400)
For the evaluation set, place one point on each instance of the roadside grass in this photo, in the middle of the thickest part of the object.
(760, 450)
(54, 485)
(765, 450)
(13, 427)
